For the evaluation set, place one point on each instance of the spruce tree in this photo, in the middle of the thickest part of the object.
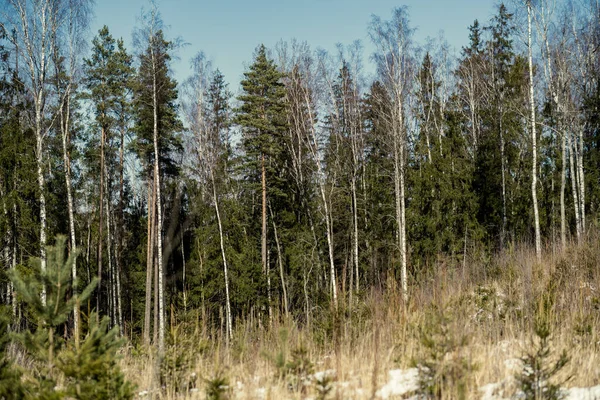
(47, 317)
(262, 117)
(90, 368)
(157, 142)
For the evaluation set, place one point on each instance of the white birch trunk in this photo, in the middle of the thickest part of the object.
(573, 175)
(581, 178)
(225, 269)
(563, 185)
(161, 299)
(280, 262)
(536, 215)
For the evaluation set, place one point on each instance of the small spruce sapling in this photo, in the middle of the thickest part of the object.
(91, 369)
(538, 377)
(43, 343)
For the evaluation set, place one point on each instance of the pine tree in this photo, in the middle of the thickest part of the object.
(157, 126)
(100, 80)
(500, 164)
(45, 342)
(380, 200)
(91, 369)
(263, 121)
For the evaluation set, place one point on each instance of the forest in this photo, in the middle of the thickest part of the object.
(317, 233)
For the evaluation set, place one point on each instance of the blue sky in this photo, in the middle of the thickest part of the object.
(228, 31)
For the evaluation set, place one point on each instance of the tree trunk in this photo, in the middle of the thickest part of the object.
(149, 260)
(120, 228)
(225, 269)
(581, 178)
(41, 188)
(563, 184)
(314, 148)
(101, 217)
(280, 262)
(264, 215)
(355, 233)
(398, 147)
(159, 229)
(65, 124)
(573, 175)
(536, 215)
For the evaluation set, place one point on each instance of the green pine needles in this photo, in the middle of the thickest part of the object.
(64, 368)
(539, 377)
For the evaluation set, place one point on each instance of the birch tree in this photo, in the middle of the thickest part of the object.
(66, 58)
(394, 65)
(34, 25)
(206, 110)
(536, 214)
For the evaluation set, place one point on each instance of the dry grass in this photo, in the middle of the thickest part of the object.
(489, 304)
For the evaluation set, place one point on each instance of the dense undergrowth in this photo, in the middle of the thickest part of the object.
(529, 327)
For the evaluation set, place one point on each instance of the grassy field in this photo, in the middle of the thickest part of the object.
(464, 332)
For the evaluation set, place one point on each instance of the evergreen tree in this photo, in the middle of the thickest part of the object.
(157, 142)
(45, 342)
(500, 162)
(91, 369)
(380, 200)
(262, 117)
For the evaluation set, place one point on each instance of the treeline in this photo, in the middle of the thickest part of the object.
(313, 185)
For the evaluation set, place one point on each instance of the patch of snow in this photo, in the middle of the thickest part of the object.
(492, 391)
(495, 391)
(320, 375)
(401, 382)
(591, 393)
(513, 364)
(260, 393)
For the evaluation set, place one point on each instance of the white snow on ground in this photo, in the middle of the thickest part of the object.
(401, 382)
(320, 375)
(494, 391)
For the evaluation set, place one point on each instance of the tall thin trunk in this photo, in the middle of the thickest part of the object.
(403, 226)
(88, 247)
(503, 166)
(14, 262)
(264, 215)
(225, 269)
(314, 148)
(7, 242)
(70, 207)
(563, 184)
(41, 188)
(101, 217)
(159, 229)
(399, 188)
(581, 178)
(149, 260)
(280, 262)
(120, 228)
(355, 233)
(184, 271)
(156, 294)
(536, 215)
(573, 175)
(111, 267)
